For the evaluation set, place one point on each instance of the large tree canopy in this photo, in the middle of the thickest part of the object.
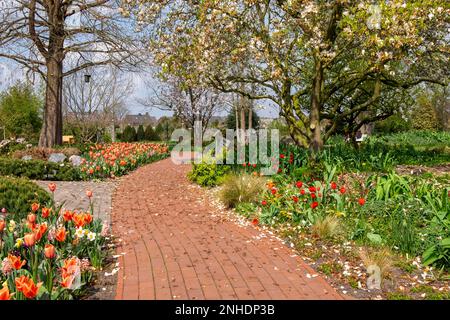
(326, 64)
(56, 38)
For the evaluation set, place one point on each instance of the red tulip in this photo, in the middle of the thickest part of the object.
(333, 185)
(362, 201)
(255, 221)
(342, 190)
(299, 184)
(274, 191)
(45, 212)
(2, 225)
(302, 192)
(295, 199)
(312, 189)
(264, 202)
(314, 204)
(281, 156)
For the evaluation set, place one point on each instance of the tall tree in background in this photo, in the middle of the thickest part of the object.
(188, 103)
(98, 104)
(317, 60)
(56, 38)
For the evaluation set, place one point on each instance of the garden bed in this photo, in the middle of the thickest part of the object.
(48, 252)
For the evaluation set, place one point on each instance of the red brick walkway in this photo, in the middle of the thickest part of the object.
(177, 246)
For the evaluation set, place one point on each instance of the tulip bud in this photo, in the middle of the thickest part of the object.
(31, 218)
(52, 187)
(49, 251)
(29, 239)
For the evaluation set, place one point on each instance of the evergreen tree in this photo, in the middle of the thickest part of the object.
(140, 135)
(150, 134)
(129, 134)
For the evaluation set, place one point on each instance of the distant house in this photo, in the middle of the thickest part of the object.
(135, 120)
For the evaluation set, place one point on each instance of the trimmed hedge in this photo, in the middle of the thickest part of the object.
(38, 170)
(17, 195)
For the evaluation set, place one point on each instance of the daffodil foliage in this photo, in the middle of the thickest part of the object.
(328, 65)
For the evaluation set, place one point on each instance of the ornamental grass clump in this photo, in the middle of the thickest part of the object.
(327, 228)
(240, 189)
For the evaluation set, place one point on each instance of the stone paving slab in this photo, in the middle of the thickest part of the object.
(74, 195)
(173, 244)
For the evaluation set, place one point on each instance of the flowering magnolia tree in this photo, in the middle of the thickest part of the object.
(326, 64)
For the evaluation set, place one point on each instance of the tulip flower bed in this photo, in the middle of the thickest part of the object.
(344, 216)
(116, 159)
(49, 253)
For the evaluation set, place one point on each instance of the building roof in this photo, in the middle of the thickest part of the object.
(139, 119)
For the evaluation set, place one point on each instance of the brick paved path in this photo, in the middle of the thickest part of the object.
(73, 194)
(177, 246)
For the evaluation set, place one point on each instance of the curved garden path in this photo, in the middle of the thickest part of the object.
(173, 244)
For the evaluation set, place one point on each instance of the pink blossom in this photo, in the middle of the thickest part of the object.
(6, 266)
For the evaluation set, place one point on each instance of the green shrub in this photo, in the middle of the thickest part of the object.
(17, 195)
(241, 188)
(38, 170)
(208, 175)
(393, 124)
(129, 134)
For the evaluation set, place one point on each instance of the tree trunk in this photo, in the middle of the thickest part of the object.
(51, 133)
(316, 143)
(243, 126)
(250, 117)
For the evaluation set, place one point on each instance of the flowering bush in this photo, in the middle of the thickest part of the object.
(116, 159)
(51, 253)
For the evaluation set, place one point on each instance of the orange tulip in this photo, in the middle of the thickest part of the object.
(29, 239)
(35, 207)
(49, 251)
(60, 235)
(78, 220)
(68, 215)
(42, 228)
(4, 294)
(16, 262)
(52, 187)
(87, 218)
(46, 212)
(27, 287)
(2, 225)
(31, 218)
(67, 281)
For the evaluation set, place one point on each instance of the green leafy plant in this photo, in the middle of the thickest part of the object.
(208, 175)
